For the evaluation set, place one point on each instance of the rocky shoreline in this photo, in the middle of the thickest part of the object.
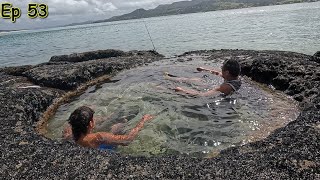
(291, 152)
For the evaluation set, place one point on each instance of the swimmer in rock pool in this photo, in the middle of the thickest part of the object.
(230, 73)
(82, 123)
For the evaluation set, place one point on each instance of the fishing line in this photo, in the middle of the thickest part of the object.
(145, 24)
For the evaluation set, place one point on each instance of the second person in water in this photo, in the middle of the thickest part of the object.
(230, 72)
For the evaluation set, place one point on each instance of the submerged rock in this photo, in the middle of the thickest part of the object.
(291, 152)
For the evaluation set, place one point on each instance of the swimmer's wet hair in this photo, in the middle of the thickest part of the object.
(79, 121)
(232, 66)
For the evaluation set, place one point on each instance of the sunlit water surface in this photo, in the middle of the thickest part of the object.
(182, 124)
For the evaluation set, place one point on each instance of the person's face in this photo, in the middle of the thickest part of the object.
(224, 72)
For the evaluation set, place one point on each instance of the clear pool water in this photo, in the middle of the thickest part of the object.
(183, 124)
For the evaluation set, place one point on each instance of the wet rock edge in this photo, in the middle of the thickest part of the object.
(291, 152)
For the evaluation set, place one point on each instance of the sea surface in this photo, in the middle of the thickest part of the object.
(294, 27)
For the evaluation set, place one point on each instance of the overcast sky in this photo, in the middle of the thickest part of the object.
(63, 12)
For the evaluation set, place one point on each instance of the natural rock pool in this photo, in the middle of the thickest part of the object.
(183, 124)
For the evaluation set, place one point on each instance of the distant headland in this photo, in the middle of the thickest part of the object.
(194, 6)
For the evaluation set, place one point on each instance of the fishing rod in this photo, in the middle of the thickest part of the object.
(145, 24)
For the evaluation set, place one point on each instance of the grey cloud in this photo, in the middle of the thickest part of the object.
(74, 7)
(70, 11)
(91, 6)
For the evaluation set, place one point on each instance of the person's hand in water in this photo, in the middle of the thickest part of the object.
(215, 72)
(201, 69)
(178, 89)
(147, 117)
(187, 91)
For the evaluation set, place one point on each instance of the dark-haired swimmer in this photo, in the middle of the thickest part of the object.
(82, 124)
(230, 73)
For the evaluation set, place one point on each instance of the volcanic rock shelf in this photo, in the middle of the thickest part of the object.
(291, 152)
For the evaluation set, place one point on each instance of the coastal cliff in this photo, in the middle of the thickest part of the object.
(195, 6)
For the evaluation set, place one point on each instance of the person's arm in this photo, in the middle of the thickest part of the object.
(197, 93)
(187, 91)
(212, 71)
(224, 88)
(109, 138)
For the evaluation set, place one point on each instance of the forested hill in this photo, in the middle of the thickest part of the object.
(184, 7)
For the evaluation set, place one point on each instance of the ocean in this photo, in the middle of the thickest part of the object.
(293, 27)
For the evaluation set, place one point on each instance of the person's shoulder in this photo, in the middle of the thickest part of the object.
(234, 84)
(94, 138)
(90, 140)
(100, 137)
(225, 89)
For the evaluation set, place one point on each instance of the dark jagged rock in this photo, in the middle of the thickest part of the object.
(316, 57)
(69, 76)
(100, 54)
(79, 57)
(290, 152)
(16, 71)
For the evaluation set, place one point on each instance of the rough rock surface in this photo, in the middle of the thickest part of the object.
(316, 57)
(100, 54)
(68, 76)
(291, 152)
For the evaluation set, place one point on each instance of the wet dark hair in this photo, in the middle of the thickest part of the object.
(79, 121)
(232, 66)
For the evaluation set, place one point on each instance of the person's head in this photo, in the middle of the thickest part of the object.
(81, 121)
(231, 69)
